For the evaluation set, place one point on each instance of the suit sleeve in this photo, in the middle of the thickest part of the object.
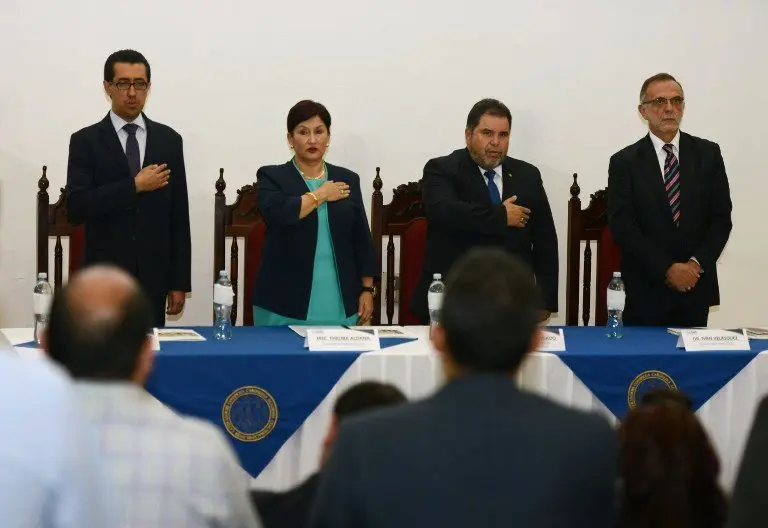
(719, 217)
(181, 238)
(622, 219)
(445, 210)
(276, 208)
(336, 503)
(86, 201)
(362, 234)
(545, 257)
(747, 507)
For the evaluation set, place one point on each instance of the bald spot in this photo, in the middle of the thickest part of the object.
(99, 294)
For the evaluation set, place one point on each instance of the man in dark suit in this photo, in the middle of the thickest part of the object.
(480, 452)
(126, 181)
(478, 196)
(290, 509)
(750, 493)
(669, 209)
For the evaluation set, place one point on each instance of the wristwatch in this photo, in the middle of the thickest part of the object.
(370, 289)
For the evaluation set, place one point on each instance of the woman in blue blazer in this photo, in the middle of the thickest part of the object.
(317, 263)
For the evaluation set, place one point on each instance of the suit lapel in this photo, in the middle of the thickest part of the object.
(507, 182)
(471, 171)
(688, 163)
(649, 168)
(112, 143)
(151, 148)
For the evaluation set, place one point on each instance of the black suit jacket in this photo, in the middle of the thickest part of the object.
(750, 493)
(460, 216)
(284, 281)
(288, 509)
(478, 453)
(641, 221)
(145, 233)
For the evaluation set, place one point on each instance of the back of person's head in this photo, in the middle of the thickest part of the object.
(490, 313)
(666, 396)
(361, 397)
(668, 467)
(99, 326)
(366, 395)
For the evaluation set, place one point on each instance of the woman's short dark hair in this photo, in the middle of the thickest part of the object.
(305, 110)
(669, 469)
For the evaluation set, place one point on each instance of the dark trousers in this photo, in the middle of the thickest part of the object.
(676, 316)
(158, 304)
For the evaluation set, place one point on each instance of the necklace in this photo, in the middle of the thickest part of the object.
(320, 177)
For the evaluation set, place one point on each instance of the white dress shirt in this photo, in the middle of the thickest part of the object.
(171, 470)
(141, 133)
(661, 154)
(497, 179)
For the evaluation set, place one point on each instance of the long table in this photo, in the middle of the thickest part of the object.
(185, 372)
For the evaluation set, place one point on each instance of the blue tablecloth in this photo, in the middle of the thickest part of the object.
(259, 387)
(620, 371)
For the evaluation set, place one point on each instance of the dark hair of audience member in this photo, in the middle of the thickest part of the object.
(367, 395)
(490, 311)
(98, 348)
(668, 468)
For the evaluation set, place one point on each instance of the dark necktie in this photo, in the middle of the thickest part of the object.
(493, 189)
(132, 149)
(672, 182)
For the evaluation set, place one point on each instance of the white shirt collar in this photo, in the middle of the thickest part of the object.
(118, 122)
(658, 144)
(497, 170)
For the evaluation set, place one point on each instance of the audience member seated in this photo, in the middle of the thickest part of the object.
(749, 502)
(50, 473)
(291, 509)
(170, 470)
(668, 467)
(480, 452)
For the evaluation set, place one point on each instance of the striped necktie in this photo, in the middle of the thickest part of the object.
(672, 182)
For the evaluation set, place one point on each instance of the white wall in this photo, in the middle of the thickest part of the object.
(399, 78)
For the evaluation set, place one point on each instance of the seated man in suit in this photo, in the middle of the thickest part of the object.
(479, 196)
(290, 509)
(669, 210)
(479, 452)
(126, 181)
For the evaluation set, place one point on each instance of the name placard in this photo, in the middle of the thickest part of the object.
(702, 340)
(552, 341)
(342, 340)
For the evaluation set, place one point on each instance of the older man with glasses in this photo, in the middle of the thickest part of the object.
(669, 209)
(126, 181)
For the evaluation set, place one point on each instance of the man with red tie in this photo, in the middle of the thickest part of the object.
(669, 210)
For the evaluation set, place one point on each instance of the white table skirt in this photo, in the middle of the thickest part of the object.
(415, 368)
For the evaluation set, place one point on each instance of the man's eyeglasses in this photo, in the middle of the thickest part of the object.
(661, 102)
(124, 86)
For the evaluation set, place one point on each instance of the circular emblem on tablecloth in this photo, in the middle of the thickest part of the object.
(648, 381)
(249, 413)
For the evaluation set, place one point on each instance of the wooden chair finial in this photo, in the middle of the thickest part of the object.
(377, 183)
(575, 189)
(221, 185)
(43, 183)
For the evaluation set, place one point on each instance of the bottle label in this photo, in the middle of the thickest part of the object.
(435, 300)
(41, 303)
(616, 300)
(223, 295)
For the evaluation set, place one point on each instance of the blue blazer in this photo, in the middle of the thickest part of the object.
(284, 280)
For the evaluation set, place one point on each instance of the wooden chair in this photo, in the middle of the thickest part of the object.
(405, 217)
(52, 221)
(587, 225)
(240, 219)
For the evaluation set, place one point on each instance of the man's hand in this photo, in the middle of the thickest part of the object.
(175, 302)
(517, 215)
(544, 315)
(152, 177)
(683, 277)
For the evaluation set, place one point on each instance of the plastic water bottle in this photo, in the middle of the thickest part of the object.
(614, 328)
(435, 299)
(223, 297)
(41, 301)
